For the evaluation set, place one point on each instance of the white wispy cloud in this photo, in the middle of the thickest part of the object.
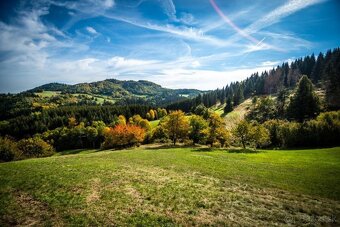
(267, 20)
(169, 8)
(118, 62)
(185, 32)
(108, 3)
(90, 9)
(279, 13)
(26, 40)
(92, 30)
(270, 63)
(86, 6)
(203, 79)
(286, 39)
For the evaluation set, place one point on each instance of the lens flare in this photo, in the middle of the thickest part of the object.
(238, 29)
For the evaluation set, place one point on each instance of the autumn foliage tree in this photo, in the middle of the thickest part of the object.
(217, 130)
(176, 125)
(198, 129)
(34, 147)
(123, 136)
(251, 134)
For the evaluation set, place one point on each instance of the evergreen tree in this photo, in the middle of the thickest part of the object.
(238, 96)
(305, 103)
(317, 69)
(228, 107)
(333, 85)
(281, 102)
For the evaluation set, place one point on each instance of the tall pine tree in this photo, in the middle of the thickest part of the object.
(305, 103)
(228, 107)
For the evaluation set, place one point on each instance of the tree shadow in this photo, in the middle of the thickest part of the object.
(77, 151)
(169, 146)
(204, 149)
(244, 151)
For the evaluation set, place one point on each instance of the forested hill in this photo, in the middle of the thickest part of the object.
(117, 89)
(323, 70)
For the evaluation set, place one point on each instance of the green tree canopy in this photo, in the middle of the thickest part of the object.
(305, 103)
(198, 129)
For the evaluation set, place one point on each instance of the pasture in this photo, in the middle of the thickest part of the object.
(173, 186)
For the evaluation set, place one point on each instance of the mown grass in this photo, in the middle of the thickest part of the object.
(173, 186)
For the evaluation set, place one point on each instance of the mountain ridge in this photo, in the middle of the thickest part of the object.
(129, 91)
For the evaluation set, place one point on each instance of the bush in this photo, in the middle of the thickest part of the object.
(8, 149)
(252, 134)
(34, 147)
(123, 136)
(159, 134)
(273, 127)
(259, 136)
(321, 132)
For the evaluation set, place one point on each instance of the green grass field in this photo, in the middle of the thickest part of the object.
(173, 186)
(48, 94)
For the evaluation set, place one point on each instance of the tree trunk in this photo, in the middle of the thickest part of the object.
(243, 144)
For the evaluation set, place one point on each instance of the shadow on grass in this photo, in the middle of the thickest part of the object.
(77, 151)
(244, 151)
(204, 149)
(170, 146)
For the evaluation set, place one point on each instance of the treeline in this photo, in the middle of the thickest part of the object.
(205, 127)
(264, 126)
(25, 125)
(323, 71)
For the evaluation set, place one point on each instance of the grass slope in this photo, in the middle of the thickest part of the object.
(234, 116)
(174, 186)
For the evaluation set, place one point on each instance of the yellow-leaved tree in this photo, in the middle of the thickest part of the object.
(176, 126)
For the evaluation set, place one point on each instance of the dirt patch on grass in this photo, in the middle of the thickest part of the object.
(94, 194)
(26, 210)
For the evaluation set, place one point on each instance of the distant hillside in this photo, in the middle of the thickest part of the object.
(126, 90)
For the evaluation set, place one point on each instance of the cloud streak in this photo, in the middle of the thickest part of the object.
(279, 13)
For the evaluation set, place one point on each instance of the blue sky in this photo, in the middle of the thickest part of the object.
(203, 44)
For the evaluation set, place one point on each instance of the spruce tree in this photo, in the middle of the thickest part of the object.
(305, 103)
(318, 68)
(238, 96)
(333, 86)
(229, 106)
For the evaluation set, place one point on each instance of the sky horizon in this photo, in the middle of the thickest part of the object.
(175, 43)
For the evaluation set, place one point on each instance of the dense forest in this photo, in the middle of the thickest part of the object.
(323, 71)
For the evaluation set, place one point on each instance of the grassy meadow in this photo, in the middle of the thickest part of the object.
(157, 185)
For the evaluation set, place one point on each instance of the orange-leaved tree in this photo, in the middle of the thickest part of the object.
(123, 136)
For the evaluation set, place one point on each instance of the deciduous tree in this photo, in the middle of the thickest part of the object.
(198, 129)
(176, 125)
